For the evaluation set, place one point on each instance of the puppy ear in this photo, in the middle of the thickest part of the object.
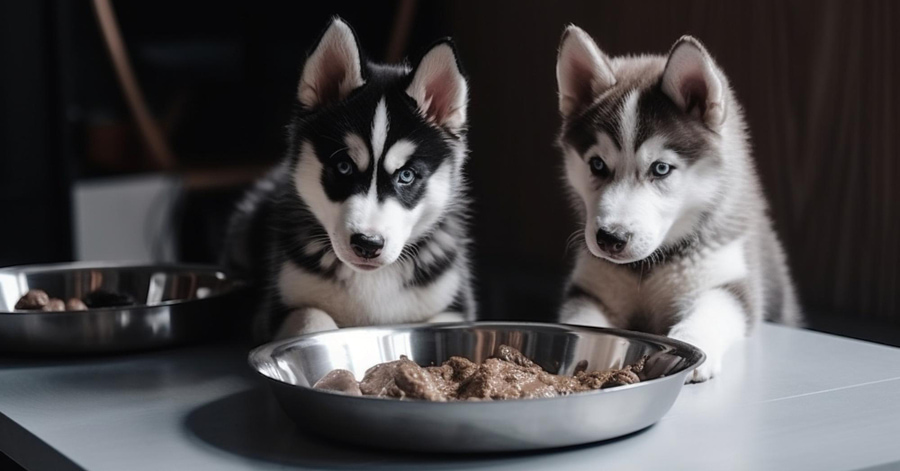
(582, 71)
(439, 88)
(333, 69)
(693, 81)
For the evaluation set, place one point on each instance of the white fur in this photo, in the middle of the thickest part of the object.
(306, 321)
(367, 298)
(380, 126)
(583, 312)
(629, 122)
(664, 288)
(445, 317)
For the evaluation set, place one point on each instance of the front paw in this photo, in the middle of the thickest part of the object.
(711, 367)
(584, 313)
(446, 317)
(305, 321)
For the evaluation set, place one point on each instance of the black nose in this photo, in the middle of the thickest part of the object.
(367, 246)
(612, 242)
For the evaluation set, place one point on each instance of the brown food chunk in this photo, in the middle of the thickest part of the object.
(416, 383)
(33, 299)
(379, 380)
(54, 305)
(507, 375)
(503, 379)
(340, 381)
(507, 353)
(75, 304)
(403, 379)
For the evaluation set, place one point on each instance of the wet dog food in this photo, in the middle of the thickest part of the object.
(39, 300)
(506, 375)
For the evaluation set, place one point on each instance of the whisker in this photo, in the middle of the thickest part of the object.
(337, 151)
(574, 240)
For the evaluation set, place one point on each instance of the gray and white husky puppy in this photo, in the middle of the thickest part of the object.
(364, 220)
(676, 232)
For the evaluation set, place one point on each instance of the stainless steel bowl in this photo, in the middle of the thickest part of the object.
(175, 304)
(291, 366)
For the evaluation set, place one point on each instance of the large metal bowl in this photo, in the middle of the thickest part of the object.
(291, 366)
(176, 304)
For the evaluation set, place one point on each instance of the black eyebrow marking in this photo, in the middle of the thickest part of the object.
(659, 116)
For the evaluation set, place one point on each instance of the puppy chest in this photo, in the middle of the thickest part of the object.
(367, 298)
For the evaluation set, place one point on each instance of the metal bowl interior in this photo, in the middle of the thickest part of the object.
(292, 366)
(173, 302)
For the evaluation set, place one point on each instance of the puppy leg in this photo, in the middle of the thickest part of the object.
(447, 317)
(714, 323)
(305, 321)
(583, 311)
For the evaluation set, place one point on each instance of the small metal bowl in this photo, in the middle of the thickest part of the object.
(175, 304)
(292, 366)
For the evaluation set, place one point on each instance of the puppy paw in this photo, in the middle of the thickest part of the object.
(305, 321)
(713, 364)
(445, 317)
(583, 312)
(709, 369)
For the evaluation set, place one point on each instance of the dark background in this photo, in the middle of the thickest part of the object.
(818, 80)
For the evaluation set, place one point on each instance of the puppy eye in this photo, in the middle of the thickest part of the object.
(598, 166)
(661, 169)
(406, 176)
(344, 167)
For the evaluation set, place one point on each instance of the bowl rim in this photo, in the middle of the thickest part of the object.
(236, 282)
(255, 356)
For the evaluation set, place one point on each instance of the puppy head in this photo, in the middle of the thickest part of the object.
(379, 149)
(640, 138)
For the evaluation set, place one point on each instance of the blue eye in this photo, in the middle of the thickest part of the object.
(344, 167)
(660, 169)
(406, 176)
(598, 166)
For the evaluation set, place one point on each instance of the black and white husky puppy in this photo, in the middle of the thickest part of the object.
(364, 220)
(677, 236)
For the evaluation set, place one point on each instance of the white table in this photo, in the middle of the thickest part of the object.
(788, 399)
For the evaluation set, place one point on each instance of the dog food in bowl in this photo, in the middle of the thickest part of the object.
(506, 375)
(39, 300)
(33, 300)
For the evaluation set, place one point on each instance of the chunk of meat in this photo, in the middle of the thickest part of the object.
(33, 299)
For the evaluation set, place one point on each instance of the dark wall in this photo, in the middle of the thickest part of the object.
(33, 176)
